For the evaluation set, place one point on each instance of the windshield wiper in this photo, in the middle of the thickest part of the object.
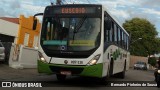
(79, 25)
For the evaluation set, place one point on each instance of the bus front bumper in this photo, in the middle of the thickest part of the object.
(91, 71)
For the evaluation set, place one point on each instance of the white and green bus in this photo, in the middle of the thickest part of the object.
(82, 40)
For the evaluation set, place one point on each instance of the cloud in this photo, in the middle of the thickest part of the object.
(15, 4)
(116, 3)
(15, 8)
(33, 9)
(3, 13)
(119, 15)
(151, 11)
(151, 3)
(126, 10)
(9, 7)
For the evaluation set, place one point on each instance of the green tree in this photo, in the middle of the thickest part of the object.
(152, 61)
(142, 28)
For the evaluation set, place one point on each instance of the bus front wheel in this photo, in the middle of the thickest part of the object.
(61, 77)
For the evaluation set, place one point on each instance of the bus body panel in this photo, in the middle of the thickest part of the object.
(119, 59)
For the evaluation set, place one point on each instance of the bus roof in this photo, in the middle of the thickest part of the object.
(77, 5)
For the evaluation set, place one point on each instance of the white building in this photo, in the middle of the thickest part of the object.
(8, 29)
(12, 31)
(8, 33)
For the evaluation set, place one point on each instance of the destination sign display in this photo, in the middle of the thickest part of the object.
(77, 10)
(73, 10)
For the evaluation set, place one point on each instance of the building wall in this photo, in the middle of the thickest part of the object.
(8, 28)
(134, 59)
(25, 57)
(26, 36)
(24, 47)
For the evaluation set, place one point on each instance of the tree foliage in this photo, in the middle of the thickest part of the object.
(152, 61)
(142, 28)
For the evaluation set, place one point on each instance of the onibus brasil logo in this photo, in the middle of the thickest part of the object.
(21, 84)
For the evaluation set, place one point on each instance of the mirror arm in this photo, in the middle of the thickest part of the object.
(38, 14)
(35, 20)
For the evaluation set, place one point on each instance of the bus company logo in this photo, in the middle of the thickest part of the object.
(6, 84)
(65, 61)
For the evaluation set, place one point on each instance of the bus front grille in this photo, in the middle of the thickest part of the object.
(57, 69)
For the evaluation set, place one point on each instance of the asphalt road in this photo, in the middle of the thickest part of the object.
(76, 83)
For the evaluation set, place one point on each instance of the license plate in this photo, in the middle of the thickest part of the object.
(66, 72)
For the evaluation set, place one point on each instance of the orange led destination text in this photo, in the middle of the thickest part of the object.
(73, 10)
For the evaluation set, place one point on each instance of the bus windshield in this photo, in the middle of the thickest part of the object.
(70, 34)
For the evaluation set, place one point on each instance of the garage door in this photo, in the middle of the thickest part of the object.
(7, 42)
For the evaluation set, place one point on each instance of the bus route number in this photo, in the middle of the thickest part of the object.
(76, 62)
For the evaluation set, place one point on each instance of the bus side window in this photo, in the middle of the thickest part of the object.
(107, 23)
(127, 42)
(113, 32)
(122, 39)
(107, 27)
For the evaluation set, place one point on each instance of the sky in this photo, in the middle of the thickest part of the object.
(122, 10)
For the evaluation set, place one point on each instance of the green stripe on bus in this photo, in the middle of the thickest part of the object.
(92, 71)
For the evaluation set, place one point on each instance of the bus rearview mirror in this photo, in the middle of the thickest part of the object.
(34, 24)
(35, 20)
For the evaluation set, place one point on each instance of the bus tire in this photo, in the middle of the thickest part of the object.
(122, 74)
(61, 77)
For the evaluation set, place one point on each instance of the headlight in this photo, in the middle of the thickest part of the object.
(158, 71)
(94, 60)
(41, 57)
